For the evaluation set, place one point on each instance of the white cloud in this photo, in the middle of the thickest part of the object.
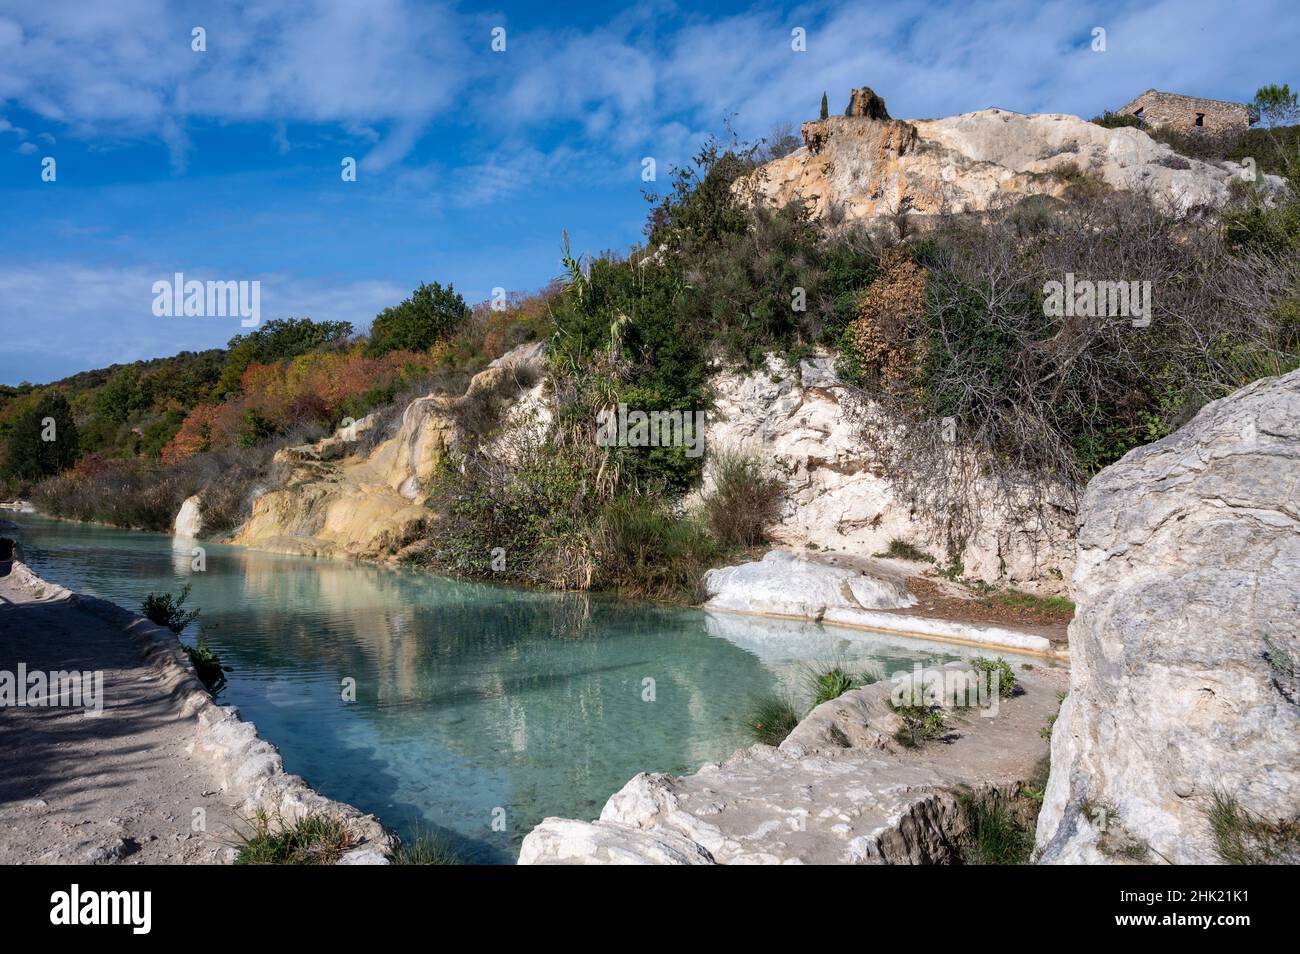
(126, 68)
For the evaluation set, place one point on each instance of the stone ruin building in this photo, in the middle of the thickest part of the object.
(1181, 113)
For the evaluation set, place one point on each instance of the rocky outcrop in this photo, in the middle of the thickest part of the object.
(839, 498)
(1186, 640)
(334, 501)
(838, 790)
(864, 102)
(189, 519)
(868, 167)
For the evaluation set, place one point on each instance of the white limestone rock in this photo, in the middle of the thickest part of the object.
(868, 169)
(189, 519)
(562, 841)
(787, 584)
(1186, 638)
(838, 498)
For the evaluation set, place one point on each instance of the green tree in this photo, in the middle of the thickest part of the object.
(1276, 105)
(43, 440)
(122, 397)
(826, 111)
(431, 314)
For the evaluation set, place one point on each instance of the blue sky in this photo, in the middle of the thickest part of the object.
(225, 164)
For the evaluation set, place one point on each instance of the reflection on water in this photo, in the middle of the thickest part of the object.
(474, 702)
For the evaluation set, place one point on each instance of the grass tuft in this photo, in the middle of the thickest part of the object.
(900, 549)
(995, 835)
(770, 719)
(311, 840)
(1244, 838)
(424, 848)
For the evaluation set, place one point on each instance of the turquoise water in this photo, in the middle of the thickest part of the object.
(479, 709)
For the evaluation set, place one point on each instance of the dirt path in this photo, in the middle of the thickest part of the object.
(117, 787)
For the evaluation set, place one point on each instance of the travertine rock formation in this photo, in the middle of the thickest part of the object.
(864, 102)
(335, 502)
(869, 167)
(1186, 640)
(837, 498)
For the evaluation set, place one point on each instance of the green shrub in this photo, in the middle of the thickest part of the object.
(743, 501)
(43, 441)
(1006, 675)
(1111, 120)
(431, 314)
(900, 549)
(314, 839)
(207, 667)
(921, 723)
(534, 508)
(167, 610)
(641, 548)
(770, 719)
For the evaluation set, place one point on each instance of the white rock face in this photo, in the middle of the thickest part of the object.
(189, 519)
(1186, 638)
(837, 497)
(869, 169)
(786, 584)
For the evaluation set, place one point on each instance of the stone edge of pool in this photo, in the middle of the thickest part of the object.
(869, 594)
(920, 627)
(245, 764)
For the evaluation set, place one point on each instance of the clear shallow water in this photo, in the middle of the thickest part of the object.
(474, 703)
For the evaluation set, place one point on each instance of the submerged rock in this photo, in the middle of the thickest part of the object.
(1186, 640)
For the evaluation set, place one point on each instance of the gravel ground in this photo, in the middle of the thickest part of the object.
(114, 788)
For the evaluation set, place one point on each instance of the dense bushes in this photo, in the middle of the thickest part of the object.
(1008, 399)
(318, 389)
(642, 548)
(743, 502)
(143, 495)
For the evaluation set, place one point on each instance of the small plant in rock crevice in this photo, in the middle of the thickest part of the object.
(770, 719)
(921, 724)
(1241, 837)
(900, 549)
(207, 666)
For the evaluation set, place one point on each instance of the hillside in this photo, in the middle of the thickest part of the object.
(861, 327)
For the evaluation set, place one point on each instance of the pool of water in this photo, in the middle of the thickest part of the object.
(479, 709)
